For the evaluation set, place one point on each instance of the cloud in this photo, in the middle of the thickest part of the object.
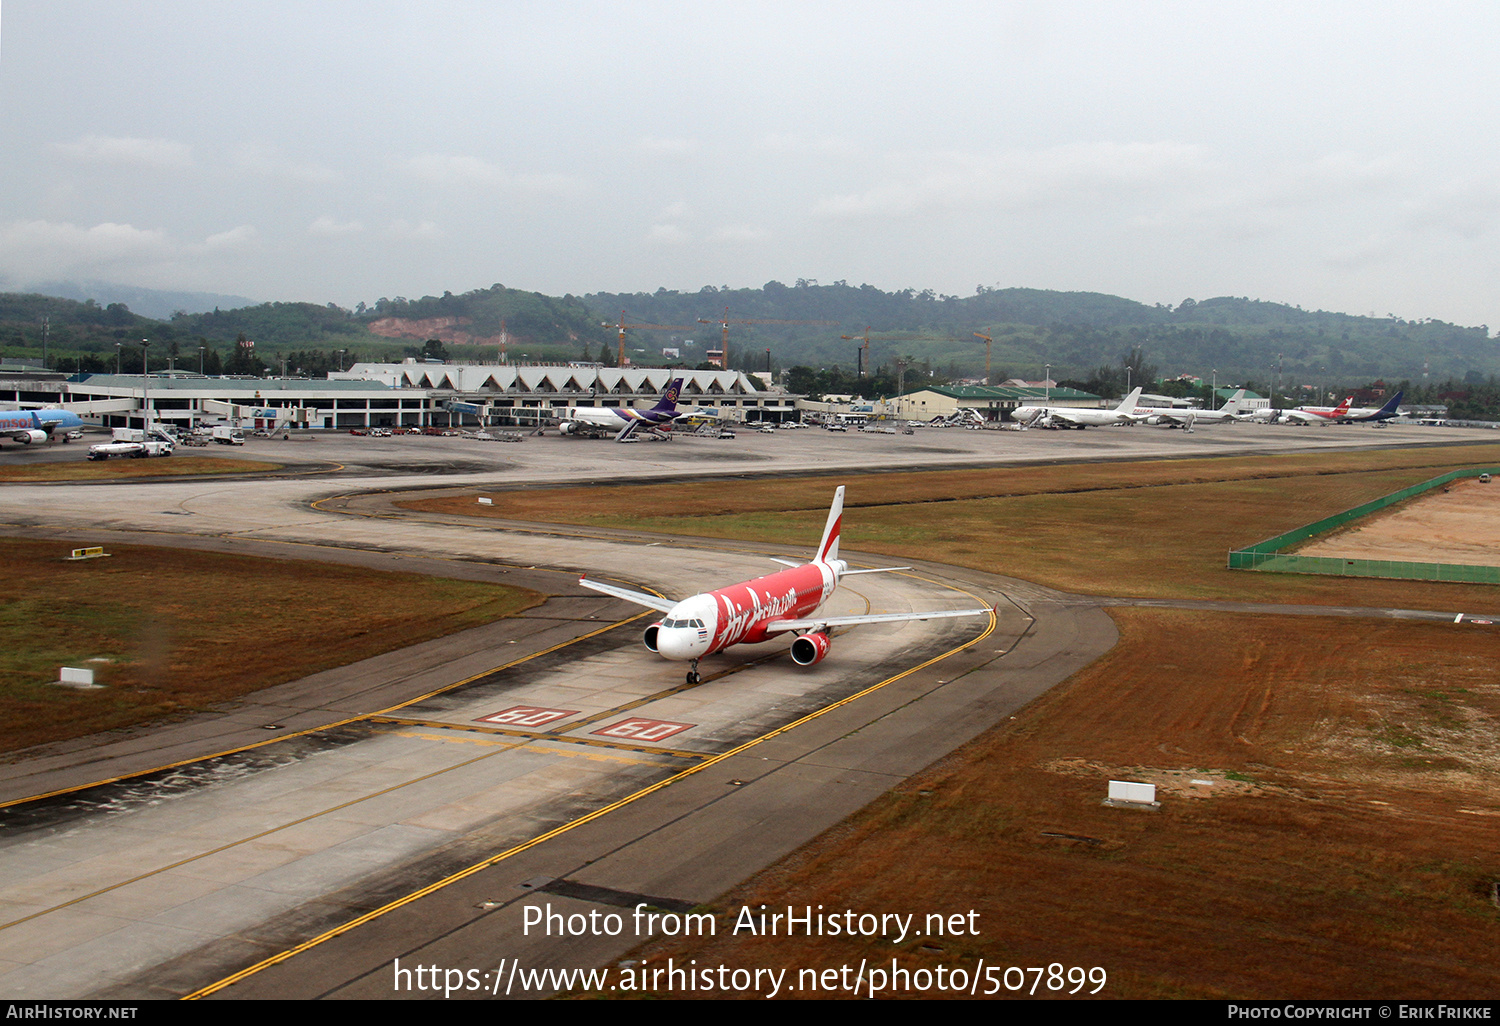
(1468, 209)
(455, 170)
(1242, 203)
(420, 230)
(122, 151)
(741, 233)
(666, 235)
(828, 146)
(1032, 179)
(327, 227)
(656, 146)
(268, 161)
(448, 169)
(33, 249)
(235, 238)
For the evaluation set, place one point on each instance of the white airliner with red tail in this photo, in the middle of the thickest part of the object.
(755, 611)
(1317, 414)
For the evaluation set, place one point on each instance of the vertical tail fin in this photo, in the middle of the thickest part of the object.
(668, 401)
(828, 548)
(1127, 405)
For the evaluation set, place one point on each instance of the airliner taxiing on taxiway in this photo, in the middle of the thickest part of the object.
(27, 426)
(785, 602)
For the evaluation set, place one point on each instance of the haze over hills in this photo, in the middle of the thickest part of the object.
(1074, 332)
(153, 303)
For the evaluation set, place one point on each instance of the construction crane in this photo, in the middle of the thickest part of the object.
(864, 348)
(987, 343)
(724, 323)
(651, 327)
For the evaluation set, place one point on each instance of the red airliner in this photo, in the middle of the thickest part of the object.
(755, 611)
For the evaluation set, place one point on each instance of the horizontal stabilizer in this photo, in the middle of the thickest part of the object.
(640, 598)
(877, 570)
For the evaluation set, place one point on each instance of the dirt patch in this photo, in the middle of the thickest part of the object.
(1459, 523)
(453, 330)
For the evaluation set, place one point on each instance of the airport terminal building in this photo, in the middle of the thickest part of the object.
(408, 394)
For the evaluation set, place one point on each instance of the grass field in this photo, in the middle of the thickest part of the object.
(1345, 847)
(119, 469)
(1158, 529)
(170, 631)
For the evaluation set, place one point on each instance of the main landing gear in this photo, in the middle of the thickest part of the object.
(694, 676)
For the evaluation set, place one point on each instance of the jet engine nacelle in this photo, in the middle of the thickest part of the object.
(27, 437)
(809, 649)
(650, 636)
(569, 427)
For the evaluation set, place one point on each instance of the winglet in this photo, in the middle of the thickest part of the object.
(828, 548)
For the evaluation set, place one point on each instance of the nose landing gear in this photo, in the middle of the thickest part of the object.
(694, 676)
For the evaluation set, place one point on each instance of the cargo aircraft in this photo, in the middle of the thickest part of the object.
(27, 426)
(1073, 416)
(595, 420)
(785, 602)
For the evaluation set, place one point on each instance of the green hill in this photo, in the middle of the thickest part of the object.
(1074, 332)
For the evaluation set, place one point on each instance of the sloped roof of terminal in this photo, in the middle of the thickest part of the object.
(552, 379)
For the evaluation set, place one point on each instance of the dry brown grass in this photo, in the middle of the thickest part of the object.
(1148, 529)
(1347, 849)
(119, 469)
(178, 630)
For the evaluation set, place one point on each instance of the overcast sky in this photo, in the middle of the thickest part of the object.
(1332, 155)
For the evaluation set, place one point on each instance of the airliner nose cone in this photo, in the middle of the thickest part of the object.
(676, 642)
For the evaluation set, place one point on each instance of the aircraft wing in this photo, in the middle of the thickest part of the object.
(820, 622)
(1166, 416)
(640, 598)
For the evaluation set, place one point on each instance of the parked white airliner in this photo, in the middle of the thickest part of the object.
(1072, 416)
(1186, 417)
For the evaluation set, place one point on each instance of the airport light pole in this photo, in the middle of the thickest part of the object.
(145, 390)
(119, 347)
